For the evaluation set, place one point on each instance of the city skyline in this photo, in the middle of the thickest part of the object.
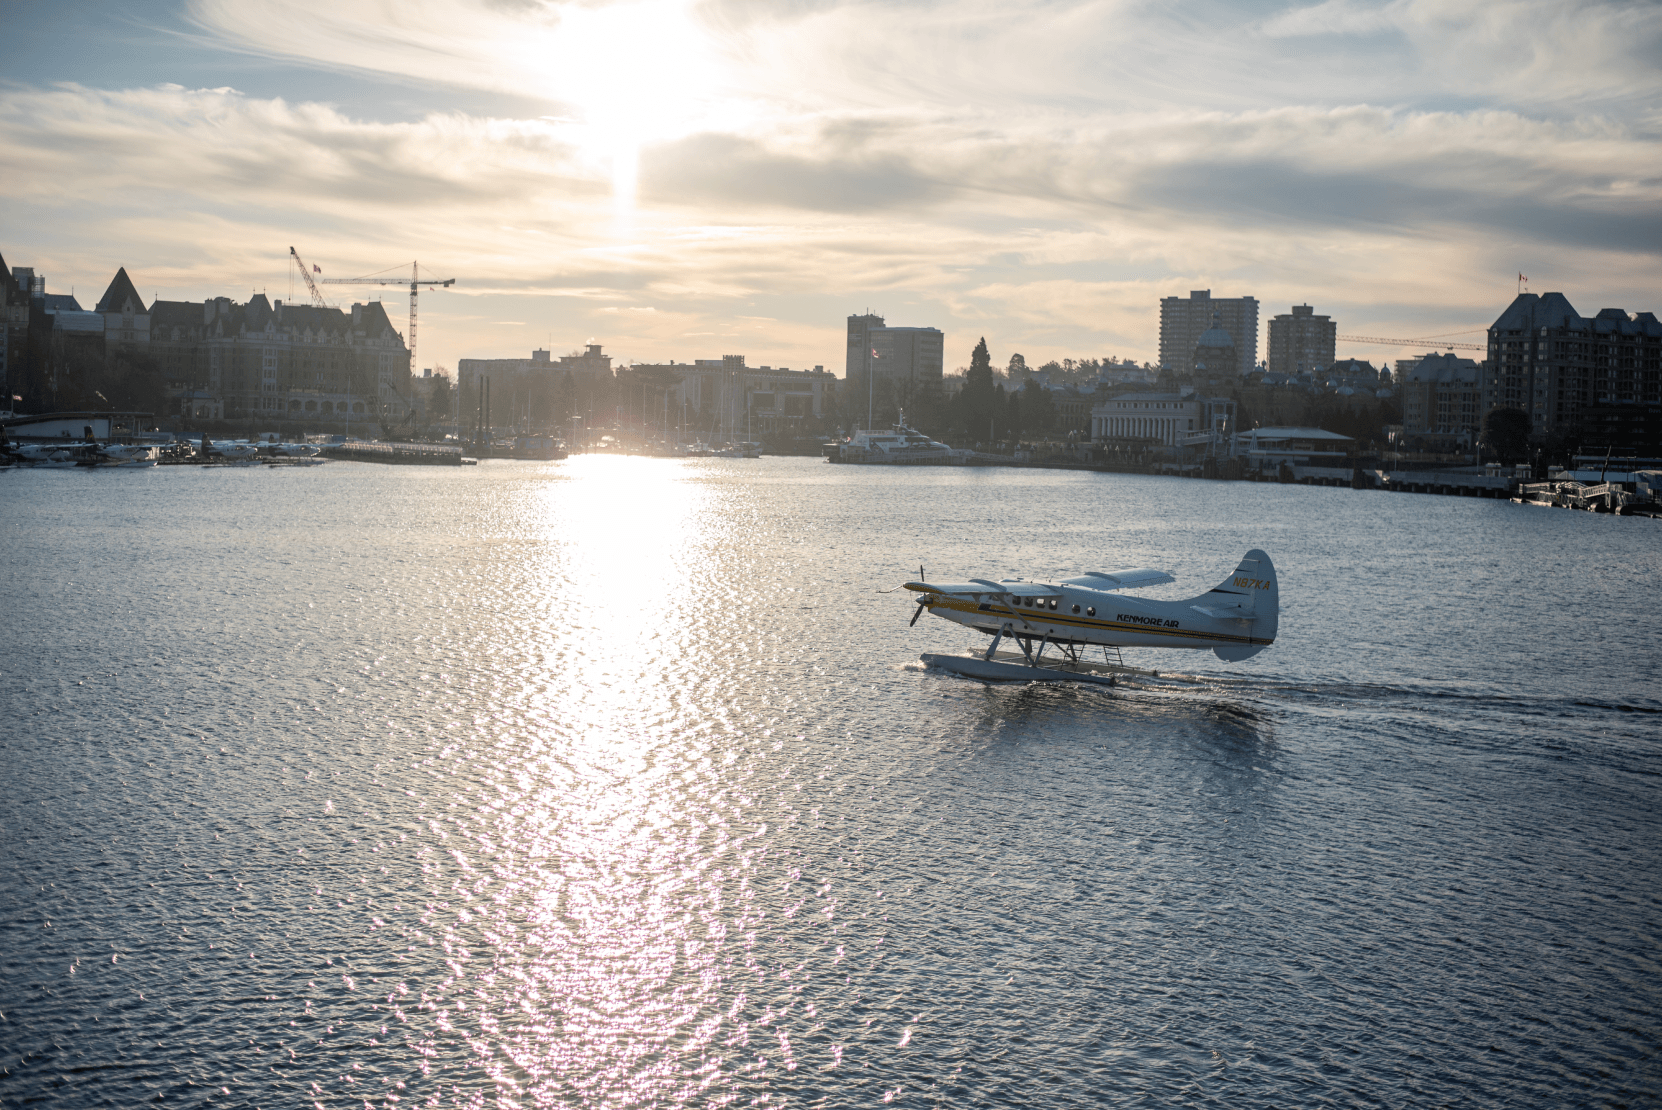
(660, 177)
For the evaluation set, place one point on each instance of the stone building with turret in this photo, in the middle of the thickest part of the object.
(268, 362)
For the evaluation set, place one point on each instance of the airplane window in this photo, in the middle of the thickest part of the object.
(1091, 612)
(1053, 603)
(1076, 608)
(1028, 602)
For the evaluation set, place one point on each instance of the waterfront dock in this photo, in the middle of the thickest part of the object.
(405, 454)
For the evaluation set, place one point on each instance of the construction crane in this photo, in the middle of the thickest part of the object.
(1423, 341)
(415, 282)
(317, 297)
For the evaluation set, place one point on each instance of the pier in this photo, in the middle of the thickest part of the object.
(406, 454)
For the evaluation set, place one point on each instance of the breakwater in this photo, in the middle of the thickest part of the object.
(408, 454)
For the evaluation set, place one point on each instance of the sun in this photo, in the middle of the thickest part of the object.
(637, 72)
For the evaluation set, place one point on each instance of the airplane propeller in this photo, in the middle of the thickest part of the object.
(922, 605)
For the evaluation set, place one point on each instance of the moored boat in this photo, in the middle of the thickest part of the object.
(898, 446)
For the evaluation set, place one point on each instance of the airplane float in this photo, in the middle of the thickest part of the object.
(1235, 620)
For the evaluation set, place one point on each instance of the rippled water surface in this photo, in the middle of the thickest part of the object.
(616, 783)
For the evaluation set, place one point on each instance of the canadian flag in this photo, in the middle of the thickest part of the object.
(316, 269)
(1522, 278)
(874, 353)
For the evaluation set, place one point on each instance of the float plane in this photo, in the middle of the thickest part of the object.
(1235, 620)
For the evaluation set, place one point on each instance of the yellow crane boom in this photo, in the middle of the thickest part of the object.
(415, 282)
(1424, 341)
(317, 297)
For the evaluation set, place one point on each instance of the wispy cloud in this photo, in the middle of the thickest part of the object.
(1040, 173)
(1332, 17)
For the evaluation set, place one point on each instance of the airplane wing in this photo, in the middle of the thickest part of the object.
(963, 589)
(981, 587)
(1121, 579)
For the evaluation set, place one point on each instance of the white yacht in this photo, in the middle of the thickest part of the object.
(898, 446)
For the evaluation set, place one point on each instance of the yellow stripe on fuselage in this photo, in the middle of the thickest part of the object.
(942, 601)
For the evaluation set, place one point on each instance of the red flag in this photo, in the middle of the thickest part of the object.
(874, 353)
(1522, 278)
(316, 269)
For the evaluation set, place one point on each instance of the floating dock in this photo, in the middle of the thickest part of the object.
(408, 454)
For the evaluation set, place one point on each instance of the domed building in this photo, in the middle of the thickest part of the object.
(1216, 362)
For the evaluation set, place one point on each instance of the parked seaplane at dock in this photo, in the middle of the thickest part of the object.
(1235, 620)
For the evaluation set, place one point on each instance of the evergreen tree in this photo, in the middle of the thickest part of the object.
(1038, 410)
(980, 400)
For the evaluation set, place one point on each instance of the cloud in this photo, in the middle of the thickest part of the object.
(219, 146)
(1333, 17)
(730, 170)
(1548, 53)
(1038, 170)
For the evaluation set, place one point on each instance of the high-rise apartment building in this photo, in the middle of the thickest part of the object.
(1184, 320)
(912, 357)
(860, 344)
(1301, 342)
(1568, 371)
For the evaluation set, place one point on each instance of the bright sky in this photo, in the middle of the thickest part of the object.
(683, 179)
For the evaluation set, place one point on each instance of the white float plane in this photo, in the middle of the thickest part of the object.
(1235, 620)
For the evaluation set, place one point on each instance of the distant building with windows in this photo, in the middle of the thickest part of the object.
(1184, 320)
(1442, 398)
(507, 375)
(1301, 342)
(125, 319)
(273, 361)
(1217, 367)
(592, 363)
(530, 394)
(41, 333)
(1571, 373)
(730, 400)
(1268, 448)
(1171, 419)
(908, 357)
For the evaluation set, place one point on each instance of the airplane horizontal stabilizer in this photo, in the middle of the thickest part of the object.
(1224, 612)
(1121, 579)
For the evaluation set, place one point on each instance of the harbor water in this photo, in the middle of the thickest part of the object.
(615, 782)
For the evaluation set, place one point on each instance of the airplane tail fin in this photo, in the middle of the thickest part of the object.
(1252, 587)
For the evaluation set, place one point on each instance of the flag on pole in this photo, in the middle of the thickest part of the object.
(1521, 277)
(316, 269)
